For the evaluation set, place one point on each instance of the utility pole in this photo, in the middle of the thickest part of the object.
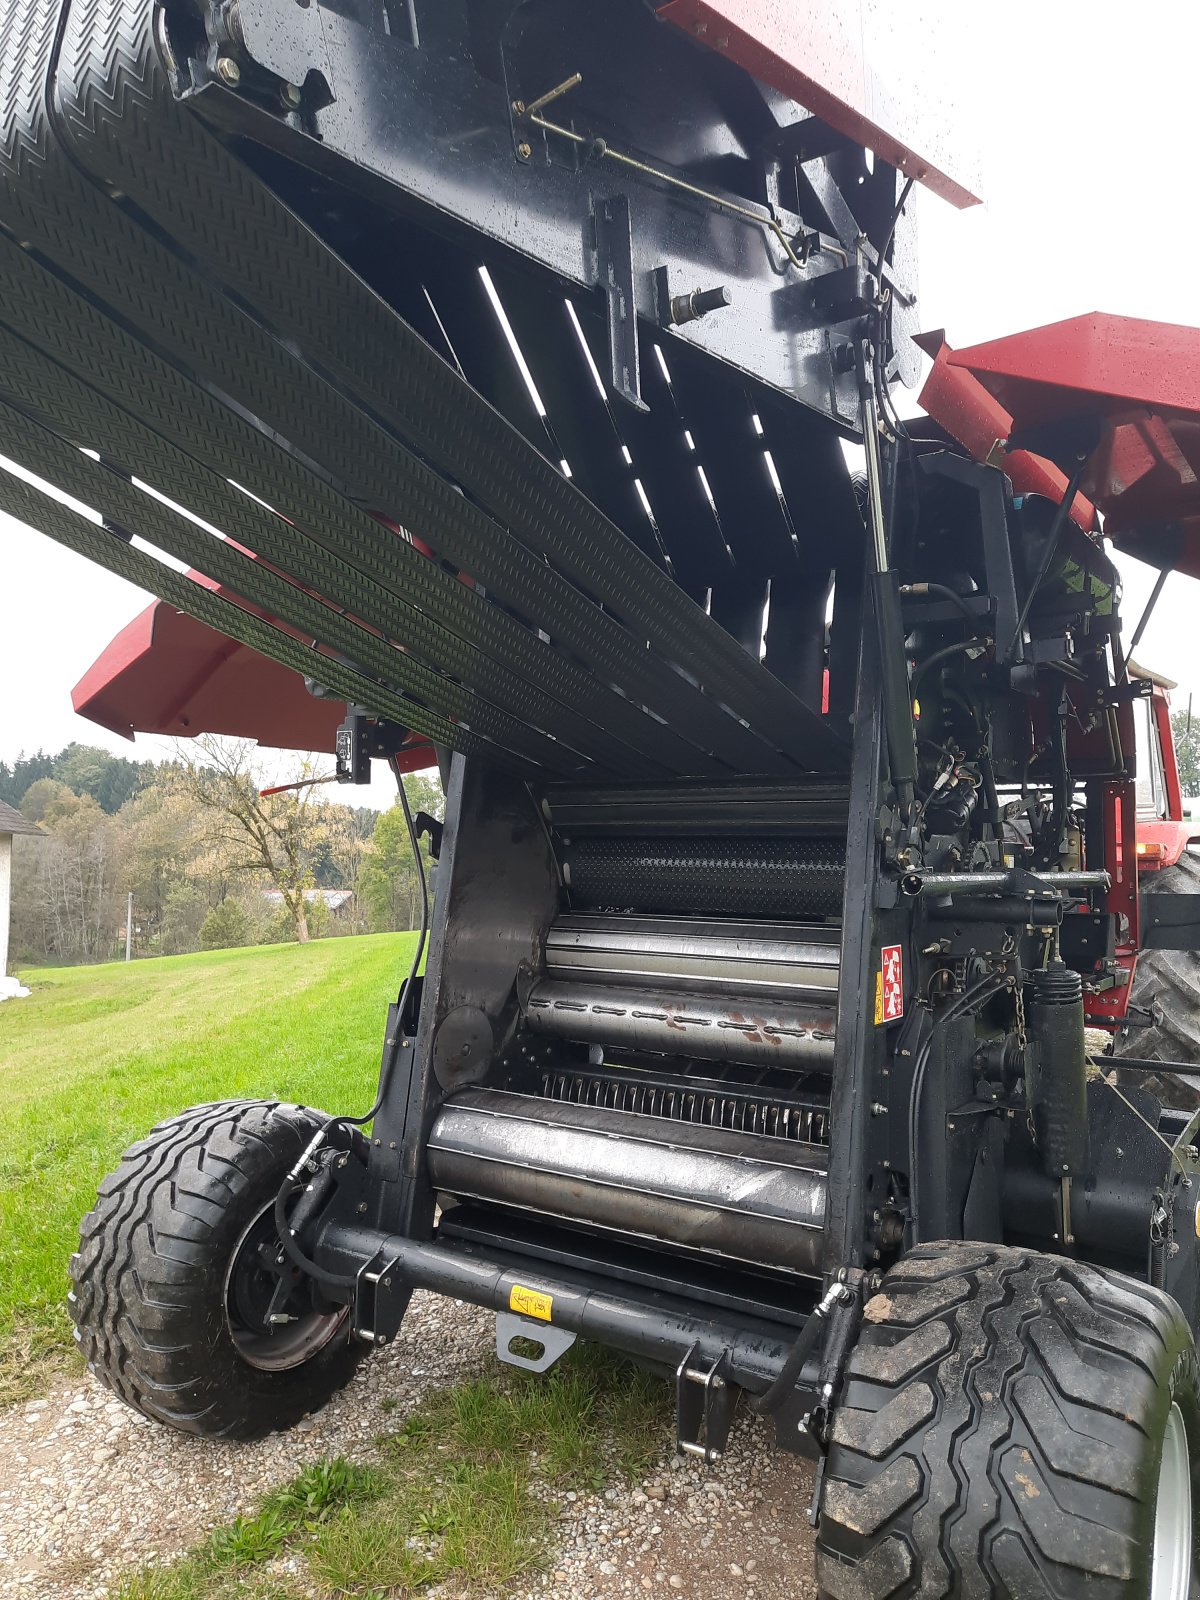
(129, 927)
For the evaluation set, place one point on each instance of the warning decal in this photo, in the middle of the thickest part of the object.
(530, 1302)
(891, 979)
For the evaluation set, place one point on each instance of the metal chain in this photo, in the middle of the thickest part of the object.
(1019, 1002)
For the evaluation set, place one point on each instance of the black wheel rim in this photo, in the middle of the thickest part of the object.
(269, 1306)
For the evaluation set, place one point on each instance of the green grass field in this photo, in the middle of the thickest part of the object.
(97, 1055)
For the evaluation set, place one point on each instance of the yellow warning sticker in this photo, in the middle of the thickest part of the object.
(878, 997)
(530, 1302)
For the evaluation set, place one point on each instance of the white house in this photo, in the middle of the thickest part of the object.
(10, 822)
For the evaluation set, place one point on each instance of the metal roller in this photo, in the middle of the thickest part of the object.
(708, 876)
(760, 958)
(713, 1027)
(689, 808)
(741, 1196)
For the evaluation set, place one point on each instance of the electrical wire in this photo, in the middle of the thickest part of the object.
(321, 1138)
(971, 999)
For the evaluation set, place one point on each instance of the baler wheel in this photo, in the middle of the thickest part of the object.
(179, 1274)
(1013, 1424)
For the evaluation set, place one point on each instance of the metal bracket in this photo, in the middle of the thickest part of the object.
(555, 1342)
(376, 1278)
(614, 265)
(703, 1406)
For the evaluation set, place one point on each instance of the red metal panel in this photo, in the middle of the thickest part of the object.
(166, 673)
(813, 51)
(958, 402)
(1089, 363)
(1139, 383)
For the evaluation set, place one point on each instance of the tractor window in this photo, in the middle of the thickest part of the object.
(1151, 779)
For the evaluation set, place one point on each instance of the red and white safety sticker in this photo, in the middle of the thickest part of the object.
(889, 991)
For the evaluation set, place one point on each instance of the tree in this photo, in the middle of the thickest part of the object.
(70, 890)
(15, 780)
(387, 881)
(184, 917)
(110, 780)
(226, 927)
(46, 800)
(273, 838)
(1187, 750)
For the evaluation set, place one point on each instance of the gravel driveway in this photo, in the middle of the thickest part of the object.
(87, 1488)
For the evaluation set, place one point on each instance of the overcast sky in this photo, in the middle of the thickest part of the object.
(1083, 115)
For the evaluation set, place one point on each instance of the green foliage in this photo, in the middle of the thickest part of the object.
(16, 779)
(184, 914)
(387, 879)
(226, 927)
(97, 1055)
(181, 838)
(86, 769)
(1187, 750)
(109, 780)
(47, 801)
(224, 1566)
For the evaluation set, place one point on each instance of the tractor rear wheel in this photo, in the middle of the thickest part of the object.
(1167, 984)
(183, 1300)
(1013, 1424)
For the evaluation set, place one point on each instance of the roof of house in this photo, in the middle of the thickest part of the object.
(335, 899)
(13, 822)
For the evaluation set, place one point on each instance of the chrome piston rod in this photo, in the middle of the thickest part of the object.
(739, 1196)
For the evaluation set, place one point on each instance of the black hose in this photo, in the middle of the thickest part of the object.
(763, 1404)
(970, 999)
(947, 593)
(944, 655)
(286, 1237)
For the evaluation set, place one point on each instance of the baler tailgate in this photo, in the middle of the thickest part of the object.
(175, 305)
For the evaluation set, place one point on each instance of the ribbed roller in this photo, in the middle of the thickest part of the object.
(741, 1196)
(708, 876)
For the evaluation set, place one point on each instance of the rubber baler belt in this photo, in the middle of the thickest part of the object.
(228, 290)
(70, 340)
(112, 551)
(765, 878)
(81, 413)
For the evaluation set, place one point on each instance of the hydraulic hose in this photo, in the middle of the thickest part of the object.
(287, 1238)
(785, 1381)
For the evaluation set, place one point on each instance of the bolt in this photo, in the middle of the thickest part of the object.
(381, 1338)
(391, 1144)
(362, 1208)
(878, 1109)
(387, 1283)
(291, 95)
(524, 150)
(229, 72)
(519, 107)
